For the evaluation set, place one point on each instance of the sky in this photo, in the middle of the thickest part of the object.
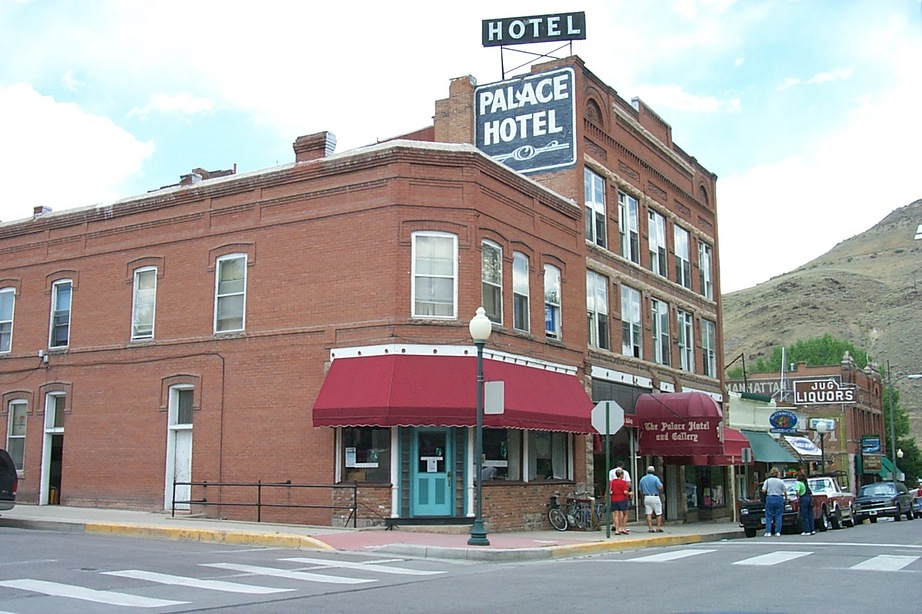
(807, 111)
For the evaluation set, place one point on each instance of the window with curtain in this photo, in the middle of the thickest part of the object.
(629, 224)
(7, 301)
(705, 273)
(230, 293)
(60, 313)
(686, 341)
(657, 230)
(16, 432)
(594, 194)
(552, 311)
(435, 275)
(144, 303)
(548, 455)
(631, 323)
(597, 310)
(520, 298)
(491, 274)
(682, 255)
(662, 350)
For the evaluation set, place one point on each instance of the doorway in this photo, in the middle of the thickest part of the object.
(430, 473)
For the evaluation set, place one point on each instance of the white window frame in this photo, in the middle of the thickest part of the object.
(14, 407)
(521, 299)
(629, 226)
(56, 289)
(709, 347)
(657, 230)
(662, 347)
(553, 312)
(8, 297)
(143, 298)
(682, 256)
(594, 194)
(686, 339)
(597, 310)
(221, 297)
(631, 322)
(418, 276)
(561, 448)
(491, 279)
(705, 271)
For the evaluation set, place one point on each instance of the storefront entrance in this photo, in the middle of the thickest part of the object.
(430, 473)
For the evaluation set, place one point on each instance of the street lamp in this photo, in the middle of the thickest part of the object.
(892, 422)
(821, 428)
(480, 328)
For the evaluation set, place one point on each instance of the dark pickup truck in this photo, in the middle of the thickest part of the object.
(752, 512)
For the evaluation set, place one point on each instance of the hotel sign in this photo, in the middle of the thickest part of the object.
(534, 29)
(528, 123)
(821, 392)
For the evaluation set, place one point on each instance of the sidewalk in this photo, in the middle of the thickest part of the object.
(520, 546)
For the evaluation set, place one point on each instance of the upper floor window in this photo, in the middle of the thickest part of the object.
(230, 293)
(704, 269)
(7, 302)
(60, 313)
(594, 194)
(631, 323)
(491, 276)
(686, 341)
(709, 347)
(520, 298)
(682, 255)
(144, 303)
(435, 275)
(657, 230)
(597, 309)
(628, 222)
(16, 433)
(552, 314)
(662, 350)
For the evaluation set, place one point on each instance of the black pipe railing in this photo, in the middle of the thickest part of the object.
(259, 504)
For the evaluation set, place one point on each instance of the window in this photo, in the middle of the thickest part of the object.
(682, 262)
(491, 275)
(597, 309)
(145, 300)
(657, 243)
(548, 455)
(54, 412)
(552, 301)
(502, 450)
(7, 300)
(521, 312)
(594, 193)
(709, 347)
(686, 341)
(16, 433)
(435, 274)
(662, 351)
(704, 269)
(230, 293)
(60, 313)
(366, 454)
(184, 397)
(628, 222)
(631, 323)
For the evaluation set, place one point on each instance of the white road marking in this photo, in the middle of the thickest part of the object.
(772, 558)
(670, 556)
(283, 573)
(323, 563)
(55, 589)
(212, 585)
(886, 562)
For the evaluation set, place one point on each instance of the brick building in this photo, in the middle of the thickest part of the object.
(308, 322)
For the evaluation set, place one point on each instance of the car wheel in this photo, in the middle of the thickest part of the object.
(899, 513)
(909, 514)
(749, 532)
(836, 520)
(822, 523)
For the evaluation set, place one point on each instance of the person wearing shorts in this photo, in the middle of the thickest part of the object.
(650, 488)
(620, 500)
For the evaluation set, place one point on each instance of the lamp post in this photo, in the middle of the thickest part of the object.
(821, 428)
(892, 421)
(899, 455)
(480, 328)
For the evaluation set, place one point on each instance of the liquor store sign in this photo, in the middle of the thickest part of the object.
(821, 392)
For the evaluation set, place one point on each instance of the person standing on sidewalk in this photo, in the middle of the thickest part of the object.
(625, 475)
(620, 499)
(774, 490)
(805, 496)
(651, 487)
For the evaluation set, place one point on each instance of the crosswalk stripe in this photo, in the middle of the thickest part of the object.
(886, 562)
(324, 563)
(283, 573)
(55, 589)
(670, 556)
(772, 558)
(212, 585)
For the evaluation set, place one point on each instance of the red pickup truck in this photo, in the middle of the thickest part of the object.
(837, 505)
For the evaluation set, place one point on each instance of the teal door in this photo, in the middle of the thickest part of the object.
(430, 473)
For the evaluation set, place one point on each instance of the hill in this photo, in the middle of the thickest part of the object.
(866, 289)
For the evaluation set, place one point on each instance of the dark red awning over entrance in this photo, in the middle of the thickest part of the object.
(679, 424)
(411, 390)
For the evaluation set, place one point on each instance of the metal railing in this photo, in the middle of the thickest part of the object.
(259, 504)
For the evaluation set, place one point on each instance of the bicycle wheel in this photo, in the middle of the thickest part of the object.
(558, 518)
(578, 515)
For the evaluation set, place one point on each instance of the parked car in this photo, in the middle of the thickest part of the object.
(9, 481)
(837, 505)
(891, 499)
(752, 512)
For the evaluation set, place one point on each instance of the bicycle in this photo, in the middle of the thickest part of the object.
(580, 508)
(556, 514)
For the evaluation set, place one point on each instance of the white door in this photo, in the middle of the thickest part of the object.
(179, 449)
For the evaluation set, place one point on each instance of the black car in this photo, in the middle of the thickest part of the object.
(9, 481)
(891, 499)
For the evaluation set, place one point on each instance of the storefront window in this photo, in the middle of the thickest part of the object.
(366, 454)
(502, 451)
(547, 455)
(705, 487)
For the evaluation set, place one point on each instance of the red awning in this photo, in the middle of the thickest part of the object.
(409, 390)
(679, 424)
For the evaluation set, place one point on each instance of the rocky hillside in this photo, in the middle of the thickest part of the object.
(867, 289)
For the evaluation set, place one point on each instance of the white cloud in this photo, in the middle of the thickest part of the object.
(180, 104)
(674, 97)
(69, 81)
(839, 74)
(56, 154)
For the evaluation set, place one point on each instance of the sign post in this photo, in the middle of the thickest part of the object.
(607, 417)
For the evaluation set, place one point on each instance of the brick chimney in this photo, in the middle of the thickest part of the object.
(40, 210)
(314, 146)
